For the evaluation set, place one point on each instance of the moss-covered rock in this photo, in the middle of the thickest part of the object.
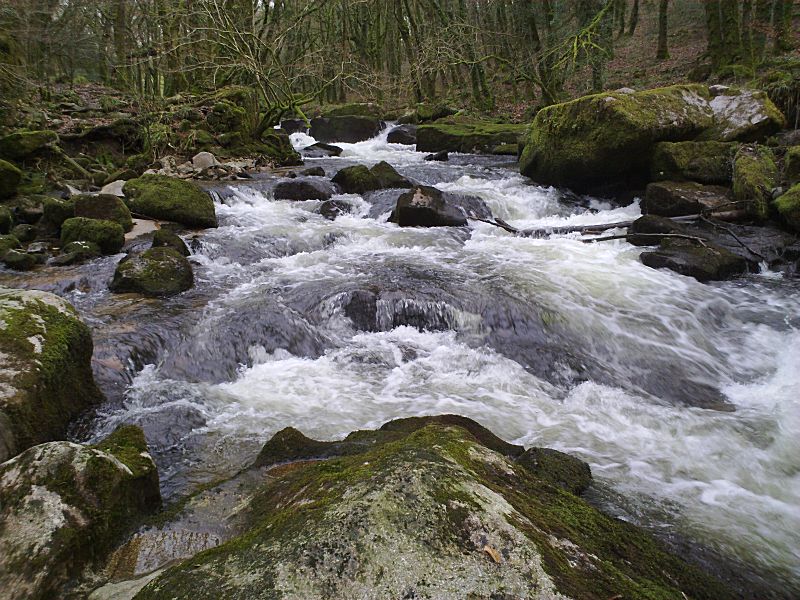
(8, 242)
(349, 129)
(6, 219)
(788, 207)
(77, 252)
(24, 232)
(704, 262)
(226, 117)
(388, 177)
(674, 199)
(358, 109)
(164, 238)
(54, 213)
(426, 510)
(24, 144)
(754, 175)
(791, 165)
(19, 260)
(108, 235)
(63, 505)
(162, 197)
(703, 162)
(10, 176)
(104, 207)
(155, 272)
(46, 379)
(467, 136)
(743, 116)
(357, 179)
(278, 149)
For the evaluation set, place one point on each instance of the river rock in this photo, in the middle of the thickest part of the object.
(10, 177)
(155, 272)
(607, 139)
(388, 177)
(8, 242)
(467, 136)
(20, 145)
(115, 188)
(301, 188)
(75, 253)
(320, 150)
(24, 232)
(46, 379)
(204, 160)
(754, 175)
(19, 260)
(291, 126)
(348, 129)
(63, 505)
(103, 207)
(54, 213)
(386, 513)
(691, 258)
(6, 220)
(788, 207)
(330, 209)
(357, 179)
(703, 162)
(403, 134)
(442, 156)
(162, 197)
(425, 206)
(108, 235)
(313, 172)
(674, 199)
(164, 238)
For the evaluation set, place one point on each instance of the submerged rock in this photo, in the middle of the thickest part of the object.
(46, 379)
(104, 207)
(63, 505)
(156, 272)
(303, 189)
(442, 156)
(704, 262)
(674, 199)
(432, 507)
(162, 197)
(108, 235)
(313, 172)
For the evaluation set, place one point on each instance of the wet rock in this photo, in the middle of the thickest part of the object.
(348, 129)
(788, 207)
(703, 162)
(398, 507)
(425, 206)
(156, 272)
(24, 232)
(388, 177)
(19, 260)
(162, 197)
(674, 199)
(46, 379)
(10, 177)
(164, 238)
(754, 176)
(108, 235)
(313, 172)
(357, 179)
(303, 189)
(63, 505)
(442, 156)
(54, 213)
(24, 144)
(560, 469)
(704, 262)
(27, 209)
(320, 150)
(8, 242)
(104, 207)
(75, 253)
(467, 136)
(114, 188)
(330, 209)
(403, 134)
(294, 126)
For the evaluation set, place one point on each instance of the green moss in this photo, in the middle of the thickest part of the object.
(703, 162)
(388, 177)
(77, 252)
(6, 220)
(278, 149)
(104, 207)
(754, 175)
(467, 136)
(164, 238)
(24, 232)
(359, 109)
(24, 144)
(155, 272)
(788, 207)
(19, 260)
(8, 242)
(356, 180)
(226, 117)
(426, 113)
(108, 235)
(10, 177)
(791, 168)
(162, 197)
(54, 213)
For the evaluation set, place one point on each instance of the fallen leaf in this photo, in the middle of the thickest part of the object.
(494, 554)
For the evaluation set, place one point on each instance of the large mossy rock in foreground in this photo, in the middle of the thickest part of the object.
(425, 508)
(459, 135)
(63, 505)
(46, 375)
(169, 199)
(608, 139)
(160, 271)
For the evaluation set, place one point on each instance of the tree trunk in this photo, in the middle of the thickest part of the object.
(662, 53)
(634, 18)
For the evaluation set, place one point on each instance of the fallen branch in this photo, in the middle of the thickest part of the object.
(83, 172)
(730, 232)
(624, 236)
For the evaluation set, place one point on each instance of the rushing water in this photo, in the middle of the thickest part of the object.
(684, 397)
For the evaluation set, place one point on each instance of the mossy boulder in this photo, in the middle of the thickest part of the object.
(77, 252)
(20, 145)
(6, 219)
(164, 238)
(677, 198)
(105, 207)
(791, 168)
(10, 176)
(403, 134)
(788, 207)
(703, 261)
(8, 242)
(703, 162)
(279, 150)
(108, 235)
(359, 109)
(388, 177)
(46, 379)
(427, 113)
(64, 505)
(162, 197)
(24, 232)
(755, 174)
(155, 272)
(226, 117)
(467, 136)
(19, 260)
(348, 129)
(54, 213)
(427, 509)
(302, 188)
(743, 115)
(357, 179)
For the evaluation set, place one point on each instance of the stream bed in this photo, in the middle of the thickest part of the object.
(683, 397)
